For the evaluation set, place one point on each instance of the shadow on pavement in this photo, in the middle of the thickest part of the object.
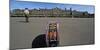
(39, 41)
(23, 21)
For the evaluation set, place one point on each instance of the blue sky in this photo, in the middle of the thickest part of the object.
(31, 5)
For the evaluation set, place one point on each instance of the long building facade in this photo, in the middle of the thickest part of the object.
(54, 12)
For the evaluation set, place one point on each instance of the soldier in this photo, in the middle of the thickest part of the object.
(26, 12)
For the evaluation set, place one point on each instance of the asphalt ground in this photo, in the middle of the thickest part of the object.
(72, 31)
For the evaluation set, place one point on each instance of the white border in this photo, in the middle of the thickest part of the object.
(4, 30)
(4, 24)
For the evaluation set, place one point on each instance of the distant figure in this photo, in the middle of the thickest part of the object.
(26, 12)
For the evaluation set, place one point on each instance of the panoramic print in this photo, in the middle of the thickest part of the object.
(40, 25)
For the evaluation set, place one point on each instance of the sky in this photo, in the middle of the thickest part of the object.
(31, 5)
